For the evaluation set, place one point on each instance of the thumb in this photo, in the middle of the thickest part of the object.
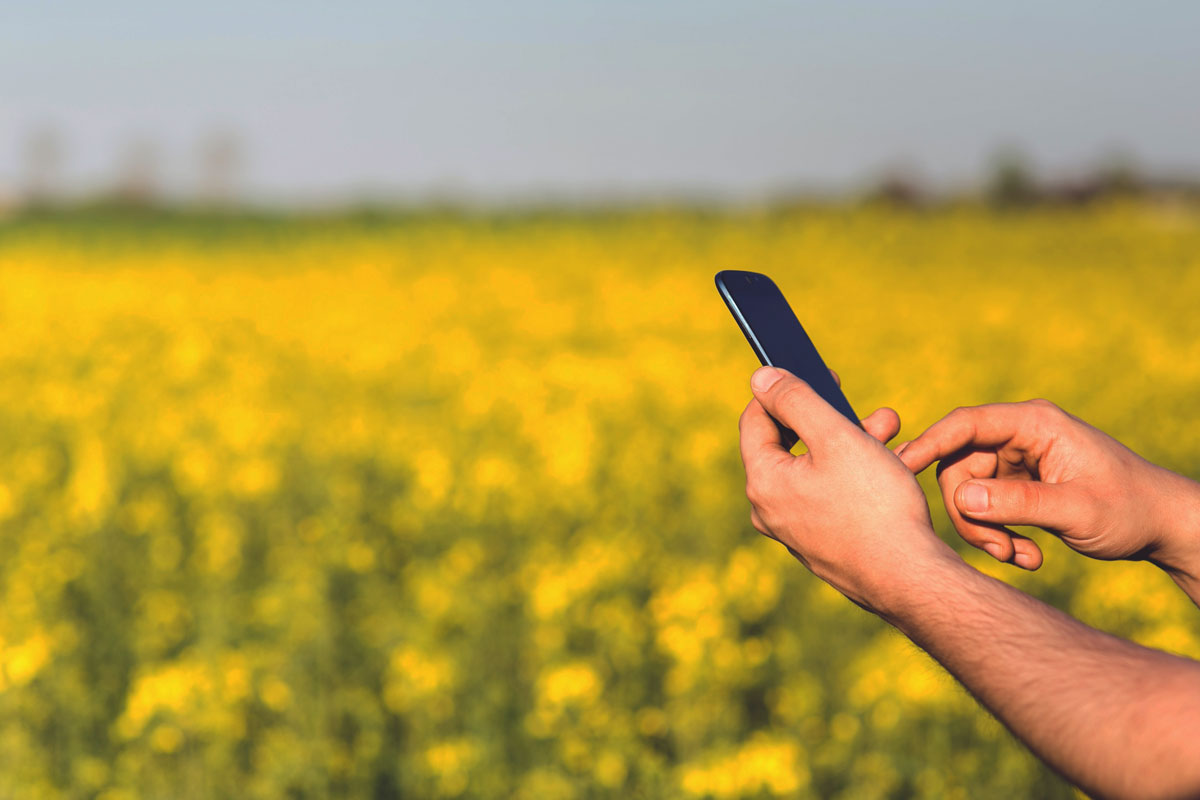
(1053, 506)
(798, 406)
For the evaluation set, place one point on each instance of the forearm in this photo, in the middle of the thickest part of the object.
(1113, 717)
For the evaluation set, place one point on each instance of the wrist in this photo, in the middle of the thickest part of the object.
(918, 581)
(1177, 550)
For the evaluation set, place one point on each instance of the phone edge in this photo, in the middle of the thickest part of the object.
(747, 332)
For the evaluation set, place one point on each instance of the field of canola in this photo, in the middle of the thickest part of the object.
(452, 507)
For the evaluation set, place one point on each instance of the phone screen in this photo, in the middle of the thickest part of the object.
(776, 335)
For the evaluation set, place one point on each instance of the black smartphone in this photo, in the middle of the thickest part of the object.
(777, 337)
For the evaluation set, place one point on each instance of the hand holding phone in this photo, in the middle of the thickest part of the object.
(778, 339)
(862, 536)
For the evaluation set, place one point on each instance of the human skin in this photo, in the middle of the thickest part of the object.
(1115, 718)
(1032, 463)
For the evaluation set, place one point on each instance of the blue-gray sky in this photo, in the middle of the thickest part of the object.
(501, 98)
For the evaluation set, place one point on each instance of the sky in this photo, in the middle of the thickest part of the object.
(568, 98)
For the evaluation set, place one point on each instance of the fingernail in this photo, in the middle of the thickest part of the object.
(974, 498)
(995, 551)
(764, 378)
(1023, 560)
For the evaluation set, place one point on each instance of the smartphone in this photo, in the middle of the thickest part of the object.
(777, 337)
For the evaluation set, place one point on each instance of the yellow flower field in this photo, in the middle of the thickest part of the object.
(452, 507)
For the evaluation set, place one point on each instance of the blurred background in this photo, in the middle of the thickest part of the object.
(388, 102)
(368, 416)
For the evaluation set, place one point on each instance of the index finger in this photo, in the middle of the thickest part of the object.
(978, 426)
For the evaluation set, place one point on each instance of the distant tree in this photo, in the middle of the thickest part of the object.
(1114, 177)
(899, 187)
(1118, 176)
(1011, 183)
(44, 155)
(220, 158)
(137, 182)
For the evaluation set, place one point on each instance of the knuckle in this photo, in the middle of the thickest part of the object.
(762, 490)
(787, 395)
(1044, 407)
(1030, 499)
(755, 492)
(1046, 416)
(744, 419)
(960, 418)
